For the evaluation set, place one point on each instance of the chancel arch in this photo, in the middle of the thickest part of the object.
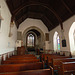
(39, 38)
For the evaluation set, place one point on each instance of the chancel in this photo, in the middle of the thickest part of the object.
(37, 37)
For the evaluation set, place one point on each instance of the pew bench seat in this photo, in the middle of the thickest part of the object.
(20, 61)
(21, 67)
(31, 72)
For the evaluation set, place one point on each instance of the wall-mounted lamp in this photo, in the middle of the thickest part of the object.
(10, 34)
(1, 18)
(12, 24)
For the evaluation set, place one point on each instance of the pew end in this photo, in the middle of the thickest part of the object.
(51, 68)
(67, 68)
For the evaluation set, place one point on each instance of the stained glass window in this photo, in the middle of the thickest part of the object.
(58, 42)
(30, 40)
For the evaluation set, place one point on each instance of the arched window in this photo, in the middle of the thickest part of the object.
(30, 40)
(56, 41)
(72, 38)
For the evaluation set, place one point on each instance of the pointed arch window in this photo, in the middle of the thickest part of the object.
(58, 42)
(74, 36)
(30, 40)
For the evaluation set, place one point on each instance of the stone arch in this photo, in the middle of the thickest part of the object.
(36, 28)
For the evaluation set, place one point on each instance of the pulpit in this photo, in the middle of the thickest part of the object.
(21, 50)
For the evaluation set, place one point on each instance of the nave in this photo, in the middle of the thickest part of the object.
(37, 37)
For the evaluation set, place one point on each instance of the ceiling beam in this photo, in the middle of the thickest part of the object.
(66, 7)
(41, 16)
(27, 15)
(48, 21)
(37, 3)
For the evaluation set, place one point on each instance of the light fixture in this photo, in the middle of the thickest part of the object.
(0, 19)
(12, 24)
(10, 34)
(0, 15)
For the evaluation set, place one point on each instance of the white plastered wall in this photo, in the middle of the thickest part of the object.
(51, 35)
(66, 26)
(32, 22)
(7, 44)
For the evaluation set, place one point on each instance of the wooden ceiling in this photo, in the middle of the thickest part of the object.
(35, 31)
(51, 12)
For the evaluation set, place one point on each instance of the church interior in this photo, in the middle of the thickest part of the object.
(37, 37)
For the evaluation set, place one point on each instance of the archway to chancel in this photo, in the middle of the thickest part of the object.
(35, 37)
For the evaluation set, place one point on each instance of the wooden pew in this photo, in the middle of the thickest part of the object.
(19, 61)
(49, 59)
(41, 56)
(26, 55)
(50, 55)
(21, 58)
(31, 72)
(44, 56)
(67, 68)
(21, 67)
(57, 62)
